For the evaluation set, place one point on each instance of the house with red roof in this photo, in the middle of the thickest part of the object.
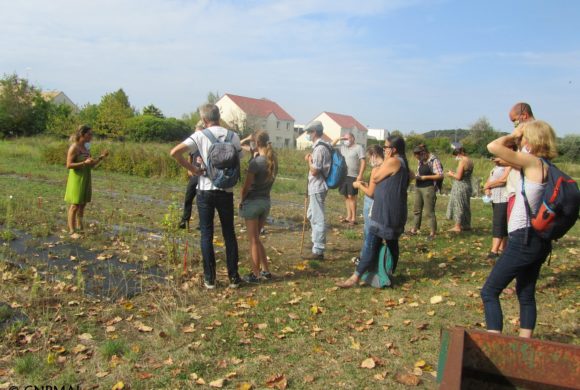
(245, 115)
(335, 126)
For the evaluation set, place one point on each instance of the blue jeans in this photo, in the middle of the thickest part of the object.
(521, 261)
(368, 203)
(370, 252)
(317, 222)
(207, 203)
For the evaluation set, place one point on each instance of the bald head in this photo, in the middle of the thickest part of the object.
(521, 112)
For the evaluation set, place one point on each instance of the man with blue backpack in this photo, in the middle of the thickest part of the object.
(319, 164)
(220, 152)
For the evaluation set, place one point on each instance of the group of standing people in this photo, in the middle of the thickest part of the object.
(519, 165)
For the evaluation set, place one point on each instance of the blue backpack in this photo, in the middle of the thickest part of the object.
(223, 161)
(382, 275)
(338, 168)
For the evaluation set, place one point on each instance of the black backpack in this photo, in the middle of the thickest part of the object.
(560, 205)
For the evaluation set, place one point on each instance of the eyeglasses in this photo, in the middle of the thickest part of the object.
(387, 147)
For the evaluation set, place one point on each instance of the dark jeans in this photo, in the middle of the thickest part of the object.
(370, 253)
(207, 203)
(190, 192)
(521, 261)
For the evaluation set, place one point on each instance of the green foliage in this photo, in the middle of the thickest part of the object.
(191, 119)
(145, 128)
(145, 160)
(413, 140)
(113, 347)
(153, 111)
(480, 134)
(213, 97)
(62, 122)
(114, 111)
(569, 148)
(23, 111)
(89, 113)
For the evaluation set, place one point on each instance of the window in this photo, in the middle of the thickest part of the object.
(287, 125)
(278, 124)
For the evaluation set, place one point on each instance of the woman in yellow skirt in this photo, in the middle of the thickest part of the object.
(78, 186)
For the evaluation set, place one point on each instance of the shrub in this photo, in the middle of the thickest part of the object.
(146, 128)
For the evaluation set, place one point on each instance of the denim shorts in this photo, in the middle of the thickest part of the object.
(255, 209)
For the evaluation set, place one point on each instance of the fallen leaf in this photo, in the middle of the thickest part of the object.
(431, 313)
(354, 344)
(308, 379)
(118, 386)
(368, 363)
(436, 299)
(262, 326)
(420, 363)
(219, 383)
(277, 381)
(102, 374)
(85, 337)
(142, 327)
(245, 386)
(78, 349)
(407, 379)
(145, 375)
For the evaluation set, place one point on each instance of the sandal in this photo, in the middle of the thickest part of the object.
(352, 223)
(348, 283)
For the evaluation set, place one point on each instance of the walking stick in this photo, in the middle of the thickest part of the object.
(304, 219)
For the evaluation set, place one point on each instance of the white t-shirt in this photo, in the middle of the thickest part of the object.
(198, 141)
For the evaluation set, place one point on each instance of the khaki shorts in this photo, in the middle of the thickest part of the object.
(255, 209)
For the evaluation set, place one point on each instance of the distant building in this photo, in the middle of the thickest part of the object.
(337, 125)
(59, 98)
(246, 115)
(379, 134)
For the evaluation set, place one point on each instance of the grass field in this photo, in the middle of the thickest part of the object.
(58, 328)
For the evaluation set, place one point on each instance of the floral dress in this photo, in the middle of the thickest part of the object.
(459, 208)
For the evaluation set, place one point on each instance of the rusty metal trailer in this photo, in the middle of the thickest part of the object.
(471, 359)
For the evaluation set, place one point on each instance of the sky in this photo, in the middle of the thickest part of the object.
(410, 65)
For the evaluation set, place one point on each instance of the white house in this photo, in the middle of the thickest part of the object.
(337, 125)
(246, 114)
(58, 98)
(379, 134)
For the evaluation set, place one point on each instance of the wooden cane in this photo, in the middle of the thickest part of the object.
(304, 220)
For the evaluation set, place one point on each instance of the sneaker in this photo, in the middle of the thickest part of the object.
(235, 282)
(314, 256)
(266, 275)
(355, 260)
(209, 285)
(182, 224)
(251, 278)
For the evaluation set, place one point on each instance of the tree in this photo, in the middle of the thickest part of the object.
(191, 119)
(89, 114)
(23, 111)
(114, 110)
(569, 148)
(480, 134)
(62, 122)
(153, 111)
(212, 98)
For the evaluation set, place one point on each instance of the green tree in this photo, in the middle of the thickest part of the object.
(480, 134)
(89, 114)
(62, 121)
(114, 110)
(23, 111)
(191, 119)
(413, 140)
(213, 97)
(153, 111)
(569, 148)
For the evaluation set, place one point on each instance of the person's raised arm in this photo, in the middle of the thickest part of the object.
(177, 153)
(388, 168)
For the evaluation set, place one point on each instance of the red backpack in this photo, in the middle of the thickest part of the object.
(560, 205)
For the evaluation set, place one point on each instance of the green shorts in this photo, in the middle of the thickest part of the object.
(255, 209)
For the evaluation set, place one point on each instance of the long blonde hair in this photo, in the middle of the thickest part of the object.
(541, 138)
(263, 141)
